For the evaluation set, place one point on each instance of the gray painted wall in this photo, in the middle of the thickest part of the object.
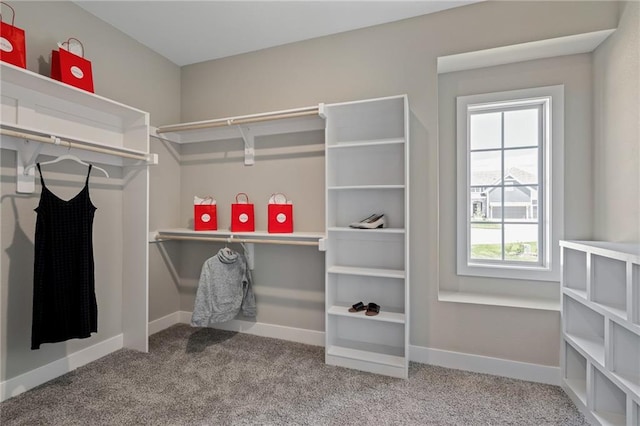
(616, 159)
(128, 72)
(387, 60)
(543, 327)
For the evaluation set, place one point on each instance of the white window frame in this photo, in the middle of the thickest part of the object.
(551, 181)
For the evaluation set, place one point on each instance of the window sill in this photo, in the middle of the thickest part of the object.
(498, 300)
(509, 272)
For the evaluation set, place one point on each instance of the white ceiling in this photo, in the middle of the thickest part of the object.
(187, 32)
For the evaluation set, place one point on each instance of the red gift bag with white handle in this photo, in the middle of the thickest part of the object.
(12, 41)
(68, 65)
(280, 213)
(242, 215)
(205, 214)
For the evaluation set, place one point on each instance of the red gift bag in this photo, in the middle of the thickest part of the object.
(12, 43)
(280, 213)
(70, 68)
(205, 214)
(242, 217)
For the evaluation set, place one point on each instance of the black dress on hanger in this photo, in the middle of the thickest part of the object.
(64, 301)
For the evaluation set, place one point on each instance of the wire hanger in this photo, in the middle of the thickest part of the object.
(66, 157)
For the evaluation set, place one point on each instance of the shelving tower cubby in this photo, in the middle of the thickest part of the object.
(367, 144)
(600, 359)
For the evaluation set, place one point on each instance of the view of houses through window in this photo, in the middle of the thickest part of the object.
(505, 148)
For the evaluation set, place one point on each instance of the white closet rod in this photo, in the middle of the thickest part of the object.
(68, 144)
(160, 237)
(221, 122)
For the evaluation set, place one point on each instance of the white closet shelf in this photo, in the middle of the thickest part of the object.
(629, 383)
(367, 231)
(627, 252)
(366, 187)
(262, 124)
(589, 348)
(365, 143)
(12, 75)
(367, 353)
(295, 238)
(246, 127)
(384, 315)
(617, 315)
(578, 295)
(610, 419)
(579, 387)
(367, 272)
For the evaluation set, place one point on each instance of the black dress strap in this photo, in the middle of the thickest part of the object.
(88, 173)
(40, 171)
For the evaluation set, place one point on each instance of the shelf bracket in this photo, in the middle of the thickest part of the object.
(27, 154)
(322, 244)
(249, 145)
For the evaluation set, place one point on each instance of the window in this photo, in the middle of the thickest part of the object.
(509, 206)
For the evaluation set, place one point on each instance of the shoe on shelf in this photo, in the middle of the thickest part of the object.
(373, 309)
(358, 307)
(371, 222)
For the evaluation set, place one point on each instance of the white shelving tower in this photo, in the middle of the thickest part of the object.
(600, 358)
(367, 145)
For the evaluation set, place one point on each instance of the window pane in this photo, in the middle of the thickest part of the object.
(485, 167)
(486, 241)
(485, 131)
(521, 128)
(479, 203)
(521, 242)
(493, 196)
(521, 203)
(521, 166)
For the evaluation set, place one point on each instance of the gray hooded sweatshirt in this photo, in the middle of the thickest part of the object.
(224, 290)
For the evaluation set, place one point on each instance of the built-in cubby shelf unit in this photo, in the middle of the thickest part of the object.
(600, 358)
(95, 129)
(367, 146)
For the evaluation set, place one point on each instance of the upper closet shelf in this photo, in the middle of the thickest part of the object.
(246, 127)
(374, 143)
(43, 116)
(27, 80)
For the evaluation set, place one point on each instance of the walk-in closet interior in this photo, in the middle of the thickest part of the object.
(347, 126)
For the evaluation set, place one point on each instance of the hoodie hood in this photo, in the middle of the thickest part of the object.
(226, 255)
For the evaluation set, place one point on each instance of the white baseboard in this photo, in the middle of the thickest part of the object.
(33, 378)
(164, 322)
(420, 354)
(483, 364)
(300, 335)
(457, 360)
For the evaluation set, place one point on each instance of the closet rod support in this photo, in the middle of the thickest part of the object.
(27, 152)
(249, 145)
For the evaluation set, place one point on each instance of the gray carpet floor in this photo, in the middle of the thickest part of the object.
(211, 377)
